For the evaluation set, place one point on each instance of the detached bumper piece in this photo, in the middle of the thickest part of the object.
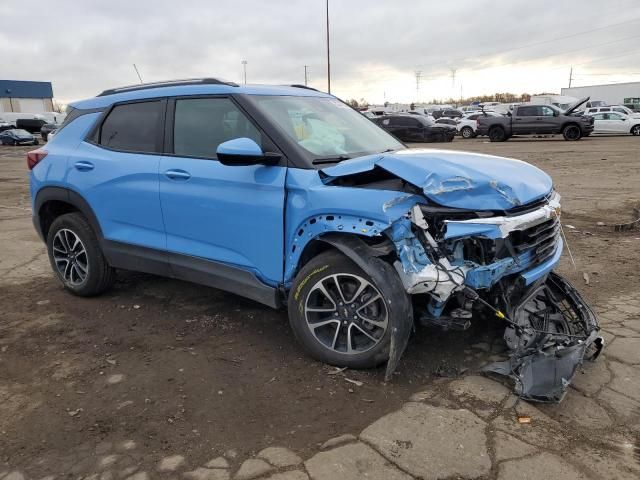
(553, 332)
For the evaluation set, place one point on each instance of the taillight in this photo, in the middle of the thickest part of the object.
(34, 157)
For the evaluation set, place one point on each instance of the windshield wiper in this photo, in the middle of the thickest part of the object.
(388, 150)
(340, 158)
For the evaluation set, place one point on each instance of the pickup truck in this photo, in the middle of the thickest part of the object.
(536, 120)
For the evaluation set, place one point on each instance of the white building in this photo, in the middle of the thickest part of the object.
(612, 94)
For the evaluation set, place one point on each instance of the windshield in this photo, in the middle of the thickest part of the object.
(20, 132)
(326, 127)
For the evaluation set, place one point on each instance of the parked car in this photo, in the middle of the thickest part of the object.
(17, 136)
(4, 125)
(614, 122)
(289, 197)
(613, 108)
(446, 121)
(31, 125)
(467, 126)
(51, 135)
(416, 128)
(47, 128)
(537, 119)
(449, 113)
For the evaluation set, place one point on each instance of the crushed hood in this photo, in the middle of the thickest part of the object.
(458, 179)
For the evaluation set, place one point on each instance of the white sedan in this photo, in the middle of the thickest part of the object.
(612, 123)
(468, 124)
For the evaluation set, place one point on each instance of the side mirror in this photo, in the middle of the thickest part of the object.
(243, 152)
(556, 113)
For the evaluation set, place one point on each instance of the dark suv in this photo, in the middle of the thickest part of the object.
(416, 128)
(290, 197)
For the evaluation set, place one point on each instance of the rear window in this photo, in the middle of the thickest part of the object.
(133, 127)
(527, 111)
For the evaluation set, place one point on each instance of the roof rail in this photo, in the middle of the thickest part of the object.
(169, 83)
(297, 85)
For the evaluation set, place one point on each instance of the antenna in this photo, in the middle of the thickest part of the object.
(137, 72)
(306, 77)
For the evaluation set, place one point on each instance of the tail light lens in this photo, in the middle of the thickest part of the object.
(34, 157)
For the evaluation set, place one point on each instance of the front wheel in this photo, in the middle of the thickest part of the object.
(339, 315)
(76, 256)
(467, 132)
(571, 133)
(635, 130)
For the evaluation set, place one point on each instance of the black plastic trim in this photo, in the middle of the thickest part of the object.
(192, 269)
(47, 194)
(170, 83)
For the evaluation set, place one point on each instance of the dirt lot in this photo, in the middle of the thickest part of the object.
(170, 366)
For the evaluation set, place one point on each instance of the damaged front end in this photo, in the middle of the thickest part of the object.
(476, 235)
(503, 265)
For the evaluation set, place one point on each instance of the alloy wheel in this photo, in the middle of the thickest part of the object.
(636, 130)
(70, 256)
(346, 313)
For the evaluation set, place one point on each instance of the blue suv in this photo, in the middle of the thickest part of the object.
(288, 196)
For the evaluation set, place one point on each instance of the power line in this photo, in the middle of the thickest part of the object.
(498, 52)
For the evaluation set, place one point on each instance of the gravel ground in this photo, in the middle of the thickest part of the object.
(162, 376)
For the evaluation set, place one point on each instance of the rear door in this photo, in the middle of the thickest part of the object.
(228, 214)
(116, 171)
(525, 119)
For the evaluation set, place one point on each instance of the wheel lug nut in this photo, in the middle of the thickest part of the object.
(344, 322)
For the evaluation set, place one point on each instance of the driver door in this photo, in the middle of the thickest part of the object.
(228, 214)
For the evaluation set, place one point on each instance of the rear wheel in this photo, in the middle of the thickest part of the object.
(76, 257)
(497, 134)
(466, 132)
(571, 133)
(635, 130)
(339, 315)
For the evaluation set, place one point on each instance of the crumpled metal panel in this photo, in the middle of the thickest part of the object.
(458, 179)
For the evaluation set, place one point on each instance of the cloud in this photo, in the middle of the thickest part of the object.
(377, 45)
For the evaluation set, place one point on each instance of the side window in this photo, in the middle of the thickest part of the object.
(547, 112)
(599, 116)
(605, 109)
(605, 116)
(133, 127)
(615, 116)
(619, 110)
(527, 111)
(201, 124)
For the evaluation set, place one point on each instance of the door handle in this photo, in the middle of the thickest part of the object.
(83, 166)
(177, 175)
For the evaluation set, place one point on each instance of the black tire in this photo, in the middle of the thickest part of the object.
(467, 133)
(571, 133)
(319, 271)
(497, 134)
(635, 130)
(99, 275)
(36, 142)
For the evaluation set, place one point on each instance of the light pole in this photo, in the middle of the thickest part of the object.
(244, 68)
(328, 54)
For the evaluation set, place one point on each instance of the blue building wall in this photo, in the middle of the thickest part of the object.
(25, 89)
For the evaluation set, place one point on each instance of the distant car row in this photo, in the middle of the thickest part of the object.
(23, 129)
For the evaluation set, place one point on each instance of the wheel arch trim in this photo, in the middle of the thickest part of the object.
(66, 195)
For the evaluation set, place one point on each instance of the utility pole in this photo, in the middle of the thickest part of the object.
(328, 53)
(306, 78)
(570, 76)
(453, 77)
(137, 72)
(418, 78)
(244, 67)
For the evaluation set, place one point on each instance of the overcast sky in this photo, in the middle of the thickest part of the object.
(85, 46)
